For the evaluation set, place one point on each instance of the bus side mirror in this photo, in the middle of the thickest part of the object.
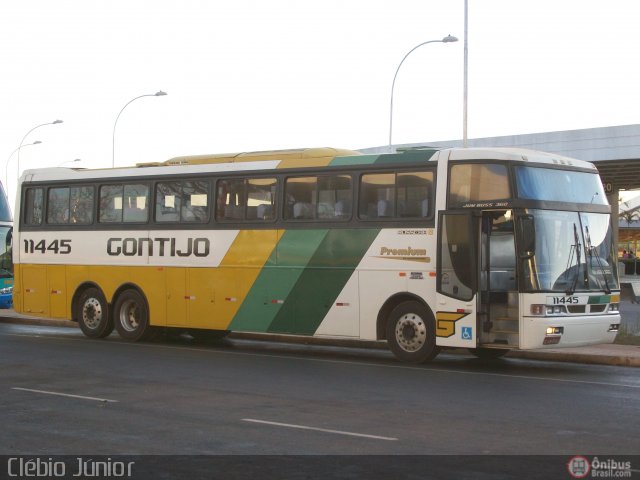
(527, 236)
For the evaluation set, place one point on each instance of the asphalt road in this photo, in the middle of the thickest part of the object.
(61, 393)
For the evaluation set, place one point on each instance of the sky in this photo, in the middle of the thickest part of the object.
(246, 75)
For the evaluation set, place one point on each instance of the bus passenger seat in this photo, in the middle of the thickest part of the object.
(384, 208)
(425, 207)
(342, 209)
(302, 210)
(265, 212)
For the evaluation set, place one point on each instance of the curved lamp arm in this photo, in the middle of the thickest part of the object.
(447, 39)
(159, 93)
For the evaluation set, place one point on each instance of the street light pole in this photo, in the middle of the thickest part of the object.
(6, 167)
(55, 122)
(466, 76)
(447, 39)
(159, 93)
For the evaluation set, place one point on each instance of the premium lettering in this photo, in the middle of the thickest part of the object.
(403, 252)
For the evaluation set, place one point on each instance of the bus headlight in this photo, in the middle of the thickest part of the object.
(614, 308)
(6, 290)
(553, 335)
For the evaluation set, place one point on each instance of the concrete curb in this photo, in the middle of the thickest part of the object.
(574, 357)
(43, 322)
(549, 356)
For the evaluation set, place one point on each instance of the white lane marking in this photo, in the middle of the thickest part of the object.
(316, 429)
(341, 362)
(64, 395)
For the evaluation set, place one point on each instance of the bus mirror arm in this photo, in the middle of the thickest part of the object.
(527, 236)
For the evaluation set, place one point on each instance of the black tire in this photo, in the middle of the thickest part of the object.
(206, 336)
(411, 333)
(131, 316)
(489, 353)
(92, 313)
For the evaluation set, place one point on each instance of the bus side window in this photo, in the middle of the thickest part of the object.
(81, 205)
(334, 197)
(413, 190)
(261, 198)
(195, 206)
(136, 203)
(230, 199)
(377, 195)
(58, 205)
(168, 201)
(300, 193)
(110, 204)
(33, 209)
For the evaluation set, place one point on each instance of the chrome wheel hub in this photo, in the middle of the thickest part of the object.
(411, 332)
(92, 313)
(129, 318)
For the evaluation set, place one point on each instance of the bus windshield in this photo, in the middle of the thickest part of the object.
(573, 253)
(550, 184)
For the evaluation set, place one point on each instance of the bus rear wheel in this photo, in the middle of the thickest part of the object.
(131, 316)
(92, 313)
(410, 333)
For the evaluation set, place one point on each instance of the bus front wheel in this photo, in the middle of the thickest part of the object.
(410, 333)
(131, 316)
(92, 313)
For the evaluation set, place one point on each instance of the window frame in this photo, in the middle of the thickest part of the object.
(395, 218)
(509, 176)
(219, 219)
(122, 221)
(314, 205)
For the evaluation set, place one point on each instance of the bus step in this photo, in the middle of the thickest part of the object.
(505, 331)
(497, 344)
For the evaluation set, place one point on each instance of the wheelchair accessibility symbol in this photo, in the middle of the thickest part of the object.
(467, 333)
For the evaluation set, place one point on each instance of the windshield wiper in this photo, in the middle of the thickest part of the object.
(593, 252)
(575, 248)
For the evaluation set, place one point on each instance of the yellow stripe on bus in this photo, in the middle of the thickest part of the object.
(227, 286)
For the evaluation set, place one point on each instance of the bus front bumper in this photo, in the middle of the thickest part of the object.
(574, 331)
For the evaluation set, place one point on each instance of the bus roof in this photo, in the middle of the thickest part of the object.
(515, 154)
(300, 158)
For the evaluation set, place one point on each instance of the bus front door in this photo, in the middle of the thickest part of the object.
(498, 289)
(457, 279)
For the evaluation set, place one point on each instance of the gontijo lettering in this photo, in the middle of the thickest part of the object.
(159, 247)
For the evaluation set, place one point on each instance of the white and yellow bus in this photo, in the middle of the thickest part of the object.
(483, 249)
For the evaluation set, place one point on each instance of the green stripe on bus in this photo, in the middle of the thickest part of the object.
(322, 281)
(418, 156)
(599, 299)
(354, 160)
(276, 280)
